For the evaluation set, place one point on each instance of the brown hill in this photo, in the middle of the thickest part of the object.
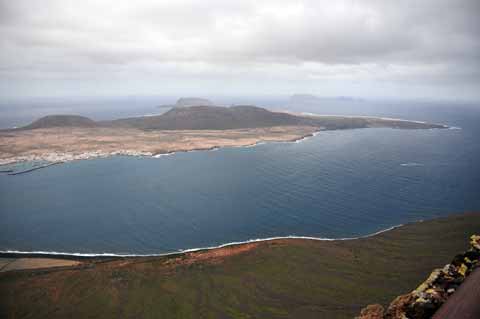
(192, 101)
(61, 121)
(212, 118)
(247, 116)
(222, 118)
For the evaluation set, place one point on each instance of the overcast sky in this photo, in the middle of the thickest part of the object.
(408, 49)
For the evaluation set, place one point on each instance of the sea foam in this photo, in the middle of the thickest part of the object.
(189, 250)
(411, 164)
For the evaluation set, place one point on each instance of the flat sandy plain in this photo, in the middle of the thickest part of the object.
(63, 144)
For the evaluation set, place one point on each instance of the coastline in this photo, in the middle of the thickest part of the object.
(316, 278)
(72, 255)
(188, 141)
(14, 260)
(59, 158)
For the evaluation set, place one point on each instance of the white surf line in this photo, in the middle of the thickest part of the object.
(98, 155)
(182, 251)
(253, 145)
(412, 164)
(163, 154)
(264, 142)
(305, 137)
(260, 142)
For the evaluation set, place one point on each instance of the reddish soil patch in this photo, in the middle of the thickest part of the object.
(213, 256)
(222, 252)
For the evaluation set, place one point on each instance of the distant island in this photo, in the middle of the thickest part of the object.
(309, 99)
(193, 101)
(58, 138)
(189, 101)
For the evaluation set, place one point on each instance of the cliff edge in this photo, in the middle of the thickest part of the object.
(433, 293)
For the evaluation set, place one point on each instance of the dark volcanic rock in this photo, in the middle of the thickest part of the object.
(213, 118)
(221, 118)
(371, 312)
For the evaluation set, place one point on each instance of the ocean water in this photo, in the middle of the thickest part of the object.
(16, 113)
(337, 184)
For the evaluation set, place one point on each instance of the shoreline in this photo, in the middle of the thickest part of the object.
(285, 276)
(68, 157)
(71, 255)
(60, 158)
(103, 141)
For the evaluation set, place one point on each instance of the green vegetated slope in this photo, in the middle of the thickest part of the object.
(278, 279)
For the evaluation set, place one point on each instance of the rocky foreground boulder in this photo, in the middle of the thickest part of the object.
(424, 301)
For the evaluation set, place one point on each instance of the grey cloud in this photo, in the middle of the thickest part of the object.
(435, 40)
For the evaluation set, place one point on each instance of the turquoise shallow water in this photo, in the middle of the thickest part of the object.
(336, 184)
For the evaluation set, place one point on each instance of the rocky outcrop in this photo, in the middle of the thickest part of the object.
(374, 311)
(424, 301)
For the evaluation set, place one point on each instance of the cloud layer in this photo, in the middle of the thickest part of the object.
(374, 48)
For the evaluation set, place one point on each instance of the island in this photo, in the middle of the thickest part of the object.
(188, 101)
(60, 138)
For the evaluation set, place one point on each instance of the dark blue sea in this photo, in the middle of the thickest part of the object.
(337, 184)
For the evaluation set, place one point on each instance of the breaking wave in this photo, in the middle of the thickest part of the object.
(411, 164)
(189, 250)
